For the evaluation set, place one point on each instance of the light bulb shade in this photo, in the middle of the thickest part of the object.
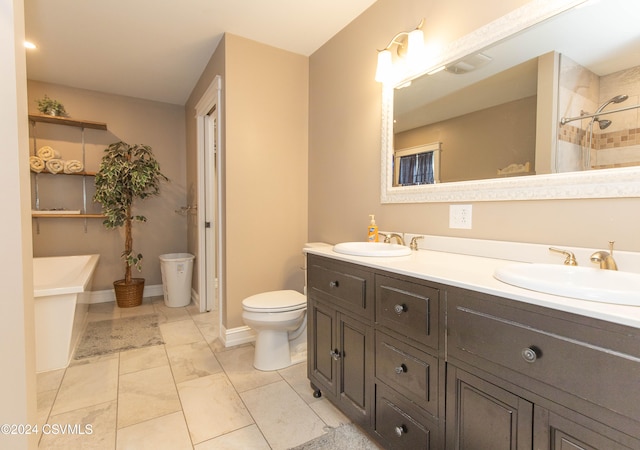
(415, 44)
(383, 71)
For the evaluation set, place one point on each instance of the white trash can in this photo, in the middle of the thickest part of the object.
(176, 269)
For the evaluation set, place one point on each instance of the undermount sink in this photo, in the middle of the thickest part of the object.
(371, 249)
(585, 283)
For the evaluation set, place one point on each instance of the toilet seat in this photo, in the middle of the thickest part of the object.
(275, 301)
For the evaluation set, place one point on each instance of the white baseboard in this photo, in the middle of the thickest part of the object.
(237, 336)
(108, 295)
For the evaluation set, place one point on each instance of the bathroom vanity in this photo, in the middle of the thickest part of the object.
(430, 351)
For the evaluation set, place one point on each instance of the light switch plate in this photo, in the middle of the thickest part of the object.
(460, 216)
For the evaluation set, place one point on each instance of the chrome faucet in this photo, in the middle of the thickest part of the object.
(605, 259)
(388, 237)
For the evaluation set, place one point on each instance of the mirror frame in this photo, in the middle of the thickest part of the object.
(601, 183)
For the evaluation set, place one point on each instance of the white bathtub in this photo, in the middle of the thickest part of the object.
(61, 286)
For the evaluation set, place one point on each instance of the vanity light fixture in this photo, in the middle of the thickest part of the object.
(29, 45)
(408, 45)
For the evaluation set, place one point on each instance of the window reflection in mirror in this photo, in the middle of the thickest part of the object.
(417, 165)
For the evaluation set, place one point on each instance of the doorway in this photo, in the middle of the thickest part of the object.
(209, 213)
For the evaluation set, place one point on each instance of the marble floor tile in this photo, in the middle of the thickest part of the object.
(329, 413)
(146, 394)
(180, 332)
(238, 364)
(47, 381)
(167, 432)
(170, 314)
(189, 361)
(296, 376)
(277, 405)
(142, 310)
(92, 427)
(205, 318)
(45, 402)
(143, 358)
(87, 384)
(103, 311)
(209, 332)
(242, 439)
(212, 407)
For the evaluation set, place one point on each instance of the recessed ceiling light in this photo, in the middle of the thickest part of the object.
(30, 45)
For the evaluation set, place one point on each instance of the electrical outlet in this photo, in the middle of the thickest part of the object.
(460, 216)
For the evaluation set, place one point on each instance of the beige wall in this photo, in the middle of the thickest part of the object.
(265, 128)
(135, 121)
(477, 144)
(17, 334)
(344, 145)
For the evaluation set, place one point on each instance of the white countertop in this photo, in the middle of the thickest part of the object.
(476, 273)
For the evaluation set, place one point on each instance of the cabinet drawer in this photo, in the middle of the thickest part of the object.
(400, 424)
(410, 309)
(343, 284)
(589, 362)
(408, 370)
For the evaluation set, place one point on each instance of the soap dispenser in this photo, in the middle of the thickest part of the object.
(372, 231)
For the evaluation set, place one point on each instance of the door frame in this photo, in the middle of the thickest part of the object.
(210, 103)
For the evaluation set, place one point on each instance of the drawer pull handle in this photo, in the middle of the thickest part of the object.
(400, 430)
(401, 369)
(335, 354)
(334, 284)
(530, 354)
(399, 309)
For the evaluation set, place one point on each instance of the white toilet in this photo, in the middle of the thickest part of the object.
(280, 320)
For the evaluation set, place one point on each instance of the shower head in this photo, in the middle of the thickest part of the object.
(616, 99)
(603, 123)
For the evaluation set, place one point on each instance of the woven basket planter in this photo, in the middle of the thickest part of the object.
(129, 295)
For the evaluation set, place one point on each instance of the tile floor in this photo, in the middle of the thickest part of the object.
(190, 393)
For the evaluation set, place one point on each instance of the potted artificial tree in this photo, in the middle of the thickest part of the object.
(127, 172)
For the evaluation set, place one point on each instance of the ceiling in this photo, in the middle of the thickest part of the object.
(157, 49)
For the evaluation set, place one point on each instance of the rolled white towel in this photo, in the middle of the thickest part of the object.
(55, 165)
(73, 166)
(48, 153)
(36, 163)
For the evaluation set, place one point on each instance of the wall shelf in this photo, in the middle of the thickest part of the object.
(83, 174)
(67, 216)
(68, 121)
(82, 125)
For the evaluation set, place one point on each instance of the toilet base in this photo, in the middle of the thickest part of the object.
(272, 350)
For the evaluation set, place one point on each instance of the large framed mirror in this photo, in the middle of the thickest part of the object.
(543, 103)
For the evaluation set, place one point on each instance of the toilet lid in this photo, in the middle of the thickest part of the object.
(275, 301)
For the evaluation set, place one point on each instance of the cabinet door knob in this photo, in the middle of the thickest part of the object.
(335, 354)
(399, 309)
(334, 284)
(401, 369)
(530, 354)
(400, 430)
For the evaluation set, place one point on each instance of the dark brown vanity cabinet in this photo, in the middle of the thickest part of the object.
(522, 377)
(340, 336)
(373, 350)
(422, 365)
(407, 367)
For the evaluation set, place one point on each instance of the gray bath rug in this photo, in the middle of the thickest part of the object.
(339, 438)
(103, 337)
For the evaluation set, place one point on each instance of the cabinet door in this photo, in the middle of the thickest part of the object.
(556, 432)
(321, 347)
(482, 416)
(356, 368)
